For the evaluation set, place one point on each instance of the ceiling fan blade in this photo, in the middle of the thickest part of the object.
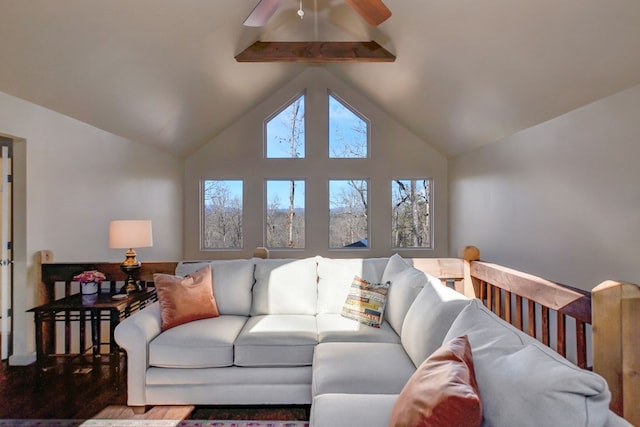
(262, 12)
(373, 11)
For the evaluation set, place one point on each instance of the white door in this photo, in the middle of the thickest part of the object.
(6, 255)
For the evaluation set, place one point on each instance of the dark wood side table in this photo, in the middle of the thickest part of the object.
(72, 309)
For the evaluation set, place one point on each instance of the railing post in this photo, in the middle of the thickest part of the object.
(471, 287)
(616, 334)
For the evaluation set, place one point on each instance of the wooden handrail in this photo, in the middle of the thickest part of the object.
(528, 302)
(565, 299)
(448, 270)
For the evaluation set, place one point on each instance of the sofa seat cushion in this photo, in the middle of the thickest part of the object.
(352, 410)
(285, 286)
(206, 343)
(544, 378)
(360, 368)
(336, 328)
(277, 340)
(336, 275)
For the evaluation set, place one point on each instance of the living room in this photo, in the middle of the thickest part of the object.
(526, 120)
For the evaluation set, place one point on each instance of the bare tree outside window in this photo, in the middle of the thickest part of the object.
(348, 214)
(285, 137)
(222, 217)
(285, 220)
(411, 216)
(348, 132)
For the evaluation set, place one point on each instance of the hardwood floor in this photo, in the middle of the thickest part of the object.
(64, 394)
(60, 393)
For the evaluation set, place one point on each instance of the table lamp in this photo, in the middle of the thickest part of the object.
(129, 234)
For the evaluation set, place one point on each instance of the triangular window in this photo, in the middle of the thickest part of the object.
(284, 132)
(348, 131)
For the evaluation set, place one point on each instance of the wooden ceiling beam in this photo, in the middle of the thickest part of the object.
(315, 52)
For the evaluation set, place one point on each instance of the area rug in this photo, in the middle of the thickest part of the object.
(149, 423)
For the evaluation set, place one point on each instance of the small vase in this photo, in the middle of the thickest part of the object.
(89, 292)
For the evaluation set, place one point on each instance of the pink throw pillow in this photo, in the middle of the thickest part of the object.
(185, 299)
(442, 392)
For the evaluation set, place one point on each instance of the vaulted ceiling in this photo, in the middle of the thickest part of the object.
(468, 72)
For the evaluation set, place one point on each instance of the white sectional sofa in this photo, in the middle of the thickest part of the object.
(281, 339)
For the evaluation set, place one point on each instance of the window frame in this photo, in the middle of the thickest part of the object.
(266, 206)
(275, 114)
(368, 213)
(356, 112)
(431, 211)
(203, 215)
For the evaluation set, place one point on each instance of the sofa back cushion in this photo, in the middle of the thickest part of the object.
(429, 318)
(232, 283)
(285, 286)
(513, 367)
(336, 275)
(406, 284)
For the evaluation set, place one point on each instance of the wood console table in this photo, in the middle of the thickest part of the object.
(57, 282)
(72, 309)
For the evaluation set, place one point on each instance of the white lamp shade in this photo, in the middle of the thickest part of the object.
(125, 234)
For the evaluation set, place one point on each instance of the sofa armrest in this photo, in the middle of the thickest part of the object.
(133, 334)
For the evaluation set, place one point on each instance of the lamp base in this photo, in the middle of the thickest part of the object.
(131, 285)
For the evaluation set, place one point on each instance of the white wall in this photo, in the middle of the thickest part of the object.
(561, 199)
(238, 153)
(71, 180)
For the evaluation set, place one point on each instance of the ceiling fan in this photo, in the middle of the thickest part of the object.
(373, 11)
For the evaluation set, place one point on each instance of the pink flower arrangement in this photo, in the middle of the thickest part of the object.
(90, 276)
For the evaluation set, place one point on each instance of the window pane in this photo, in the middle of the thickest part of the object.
(285, 213)
(285, 132)
(222, 218)
(411, 217)
(348, 132)
(348, 214)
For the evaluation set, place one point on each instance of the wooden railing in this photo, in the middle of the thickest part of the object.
(533, 305)
(450, 271)
(529, 303)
